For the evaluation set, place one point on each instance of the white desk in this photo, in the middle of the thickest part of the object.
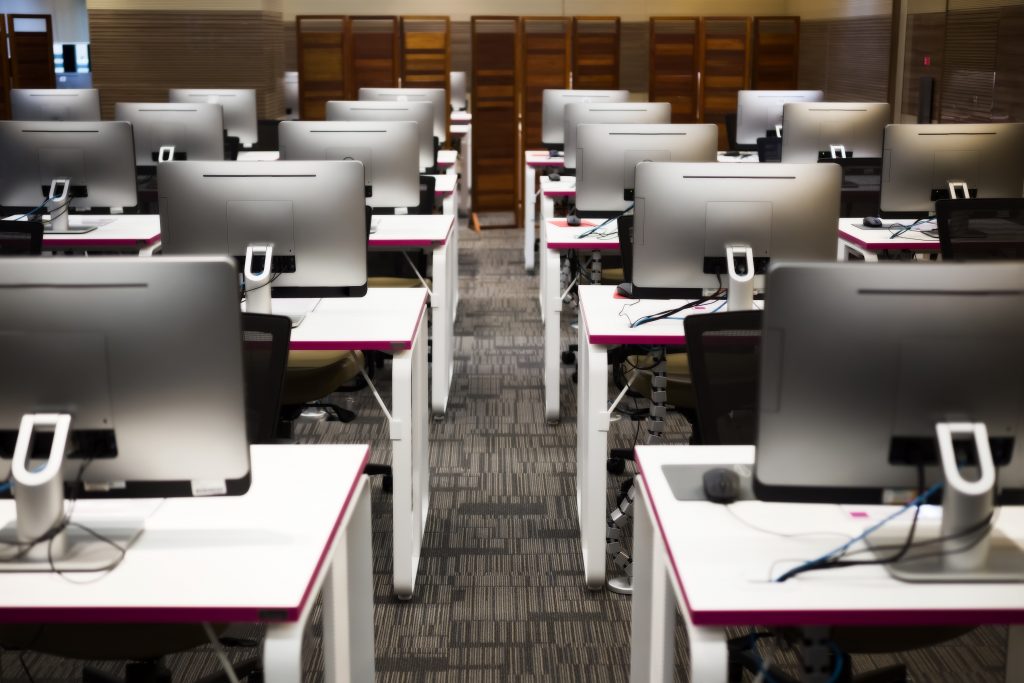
(533, 160)
(859, 242)
(444, 189)
(461, 116)
(303, 526)
(699, 557)
(600, 327)
(463, 133)
(128, 233)
(387, 320)
(438, 236)
(559, 239)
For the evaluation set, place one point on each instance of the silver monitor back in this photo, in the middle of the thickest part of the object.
(290, 84)
(599, 112)
(553, 109)
(860, 361)
(313, 212)
(388, 150)
(457, 90)
(607, 155)
(920, 160)
(420, 112)
(811, 127)
(98, 157)
(686, 214)
(55, 104)
(239, 107)
(148, 349)
(758, 111)
(196, 131)
(437, 97)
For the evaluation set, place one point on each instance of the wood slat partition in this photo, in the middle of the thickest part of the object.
(495, 84)
(675, 65)
(426, 54)
(726, 49)
(595, 53)
(5, 73)
(546, 52)
(826, 64)
(776, 53)
(31, 51)
(925, 38)
(320, 44)
(373, 56)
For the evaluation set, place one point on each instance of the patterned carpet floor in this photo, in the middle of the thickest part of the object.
(500, 595)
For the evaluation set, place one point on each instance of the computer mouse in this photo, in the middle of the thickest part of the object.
(554, 177)
(872, 222)
(572, 220)
(721, 485)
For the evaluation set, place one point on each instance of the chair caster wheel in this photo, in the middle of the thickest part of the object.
(568, 357)
(616, 466)
(387, 484)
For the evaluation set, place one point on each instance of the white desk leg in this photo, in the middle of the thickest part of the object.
(410, 463)
(591, 454)
(1015, 653)
(654, 613)
(348, 598)
(543, 276)
(448, 202)
(151, 249)
(453, 263)
(442, 331)
(848, 249)
(529, 215)
(551, 303)
(709, 650)
(282, 652)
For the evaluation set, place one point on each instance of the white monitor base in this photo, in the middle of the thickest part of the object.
(85, 552)
(1005, 562)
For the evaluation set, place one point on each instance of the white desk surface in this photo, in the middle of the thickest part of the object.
(235, 558)
(600, 308)
(444, 184)
(875, 239)
(743, 158)
(721, 566)
(541, 158)
(561, 236)
(267, 155)
(459, 129)
(447, 157)
(383, 320)
(412, 230)
(116, 230)
(565, 187)
(461, 116)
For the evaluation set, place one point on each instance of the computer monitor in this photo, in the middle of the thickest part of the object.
(83, 165)
(811, 130)
(239, 107)
(922, 162)
(122, 379)
(388, 150)
(55, 104)
(436, 96)
(981, 229)
(760, 111)
(553, 104)
(420, 112)
(290, 85)
(869, 371)
(313, 213)
(457, 90)
(622, 112)
(706, 226)
(607, 155)
(186, 132)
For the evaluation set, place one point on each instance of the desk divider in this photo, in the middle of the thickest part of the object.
(725, 43)
(320, 43)
(372, 53)
(675, 65)
(547, 55)
(595, 53)
(776, 53)
(426, 54)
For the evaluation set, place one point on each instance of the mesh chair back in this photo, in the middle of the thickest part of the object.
(265, 341)
(981, 229)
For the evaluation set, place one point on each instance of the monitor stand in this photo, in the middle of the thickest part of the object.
(39, 510)
(741, 286)
(971, 556)
(257, 285)
(58, 202)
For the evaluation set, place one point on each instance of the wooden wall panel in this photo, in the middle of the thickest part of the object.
(847, 58)
(460, 49)
(675, 66)
(291, 57)
(373, 56)
(595, 53)
(320, 45)
(726, 58)
(426, 54)
(925, 38)
(546, 52)
(5, 74)
(137, 55)
(634, 50)
(495, 46)
(776, 53)
(31, 51)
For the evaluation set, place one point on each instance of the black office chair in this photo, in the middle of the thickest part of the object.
(981, 229)
(428, 187)
(21, 238)
(265, 340)
(769, 150)
(724, 351)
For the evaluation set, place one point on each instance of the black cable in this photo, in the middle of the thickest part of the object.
(273, 279)
(661, 315)
(24, 666)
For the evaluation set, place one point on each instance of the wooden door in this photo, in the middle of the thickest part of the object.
(30, 38)
(373, 56)
(546, 61)
(776, 53)
(675, 66)
(495, 83)
(595, 53)
(320, 44)
(725, 42)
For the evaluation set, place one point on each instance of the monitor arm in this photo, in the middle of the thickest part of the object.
(838, 151)
(257, 285)
(955, 185)
(58, 203)
(965, 504)
(741, 286)
(39, 492)
(165, 153)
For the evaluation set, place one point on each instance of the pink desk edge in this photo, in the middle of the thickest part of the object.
(410, 241)
(71, 241)
(886, 243)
